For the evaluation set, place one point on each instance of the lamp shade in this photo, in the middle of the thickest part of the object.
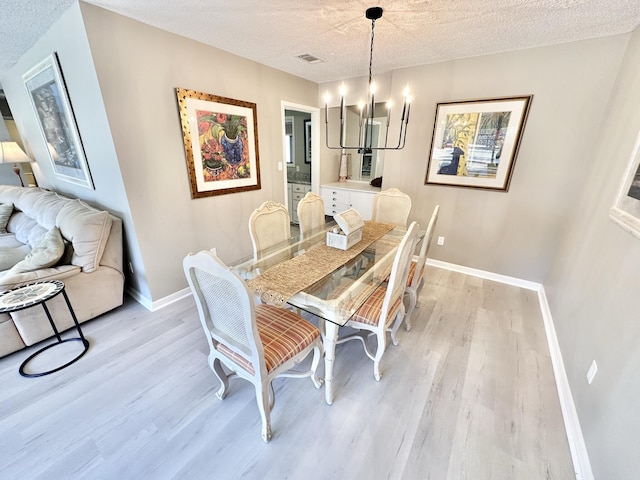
(10, 152)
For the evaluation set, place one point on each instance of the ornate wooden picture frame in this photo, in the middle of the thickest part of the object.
(221, 143)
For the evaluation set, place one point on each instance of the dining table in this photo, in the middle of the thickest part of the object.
(329, 283)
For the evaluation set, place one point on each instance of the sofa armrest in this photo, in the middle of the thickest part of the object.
(53, 273)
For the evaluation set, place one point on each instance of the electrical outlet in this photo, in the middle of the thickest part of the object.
(440, 240)
(593, 369)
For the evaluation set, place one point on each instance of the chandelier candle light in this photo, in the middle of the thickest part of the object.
(367, 109)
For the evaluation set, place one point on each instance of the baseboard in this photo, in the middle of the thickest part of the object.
(518, 282)
(577, 446)
(152, 306)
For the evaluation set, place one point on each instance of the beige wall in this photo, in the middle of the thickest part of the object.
(593, 290)
(138, 68)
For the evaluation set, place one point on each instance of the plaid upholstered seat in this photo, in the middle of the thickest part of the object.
(371, 310)
(283, 334)
(383, 310)
(256, 342)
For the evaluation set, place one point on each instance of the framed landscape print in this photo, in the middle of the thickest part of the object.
(221, 143)
(475, 143)
(48, 95)
(626, 209)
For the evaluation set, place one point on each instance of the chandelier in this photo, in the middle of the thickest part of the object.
(367, 110)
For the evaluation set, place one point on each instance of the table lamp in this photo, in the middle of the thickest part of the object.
(10, 152)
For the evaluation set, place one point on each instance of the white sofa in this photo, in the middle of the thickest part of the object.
(91, 265)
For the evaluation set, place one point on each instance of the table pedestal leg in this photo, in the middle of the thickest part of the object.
(330, 339)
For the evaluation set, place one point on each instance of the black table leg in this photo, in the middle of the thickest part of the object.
(81, 338)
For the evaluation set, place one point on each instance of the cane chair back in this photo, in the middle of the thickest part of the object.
(269, 224)
(391, 206)
(310, 213)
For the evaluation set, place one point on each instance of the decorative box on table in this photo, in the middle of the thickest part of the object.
(348, 232)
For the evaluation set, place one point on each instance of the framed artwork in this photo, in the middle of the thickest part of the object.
(307, 141)
(220, 142)
(475, 142)
(48, 95)
(626, 209)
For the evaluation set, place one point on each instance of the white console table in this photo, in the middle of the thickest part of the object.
(340, 196)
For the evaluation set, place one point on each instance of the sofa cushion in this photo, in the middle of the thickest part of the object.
(44, 255)
(21, 224)
(7, 282)
(11, 251)
(6, 209)
(88, 229)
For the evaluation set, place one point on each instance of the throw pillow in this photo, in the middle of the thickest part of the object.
(6, 209)
(44, 255)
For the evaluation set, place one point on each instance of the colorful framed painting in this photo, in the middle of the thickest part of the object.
(220, 142)
(49, 98)
(626, 209)
(475, 143)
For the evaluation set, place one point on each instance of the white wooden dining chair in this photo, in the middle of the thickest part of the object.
(310, 213)
(269, 224)
(383, 311)
(255, 342)
(415, 279)
(391, 206)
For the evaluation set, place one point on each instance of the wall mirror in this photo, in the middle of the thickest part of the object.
(363, 167)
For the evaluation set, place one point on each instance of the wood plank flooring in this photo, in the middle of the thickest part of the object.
(468, 394)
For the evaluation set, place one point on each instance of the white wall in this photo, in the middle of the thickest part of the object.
(593, 290)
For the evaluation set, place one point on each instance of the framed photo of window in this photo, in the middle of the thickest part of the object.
(49, 98)
(475, 143)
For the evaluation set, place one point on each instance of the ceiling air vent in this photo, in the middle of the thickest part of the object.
(309, 58)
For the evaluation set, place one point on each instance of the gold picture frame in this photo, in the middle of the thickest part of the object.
(221, 143)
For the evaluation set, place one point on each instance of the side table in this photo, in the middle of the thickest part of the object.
(37, 293)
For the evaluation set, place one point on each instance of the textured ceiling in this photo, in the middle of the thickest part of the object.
(411, 32)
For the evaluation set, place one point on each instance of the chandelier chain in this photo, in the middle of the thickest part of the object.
(373, 26)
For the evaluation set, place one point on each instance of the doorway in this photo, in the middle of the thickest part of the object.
(301, 167)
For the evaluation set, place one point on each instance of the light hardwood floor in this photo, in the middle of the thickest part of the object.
(468, 394)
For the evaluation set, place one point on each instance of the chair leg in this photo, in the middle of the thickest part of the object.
(396, 324)
(382, 345)
(215, 365)
(262, 399)
(413, 300)
(317, 356)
